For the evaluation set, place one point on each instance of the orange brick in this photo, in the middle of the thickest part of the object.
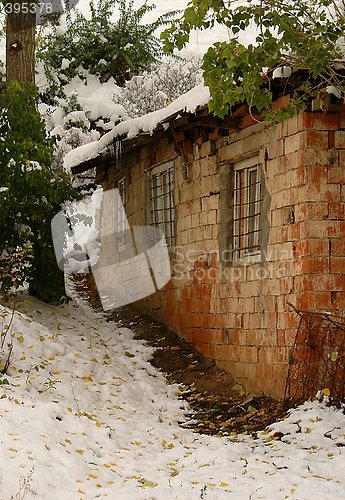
(336, 210)
(317, 174)
(337, 265)
(233, 336)
(226, 352)
(320, 121)
(315, 264)
(248, 354)
(337, 247)
(294, 142)
(336, 175)
(300, 176)
(174, 321)
(320, 300)
(188, 334)
(338, 300)
(340, 140)
(336, 228)
(316, 139)
(291, 232)
(281, 102)
(206, 349)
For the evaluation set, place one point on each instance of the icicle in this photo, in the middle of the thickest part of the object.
(118, 149)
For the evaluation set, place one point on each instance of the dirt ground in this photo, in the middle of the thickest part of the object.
(219, 405)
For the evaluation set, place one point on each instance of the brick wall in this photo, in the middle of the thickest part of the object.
(238, 314)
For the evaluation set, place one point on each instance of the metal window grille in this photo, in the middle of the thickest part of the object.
(162, 201)
(247, 209)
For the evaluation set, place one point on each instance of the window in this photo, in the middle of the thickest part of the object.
(162, 200)
(246, 238)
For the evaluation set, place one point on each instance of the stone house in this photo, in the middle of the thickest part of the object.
(254, 218)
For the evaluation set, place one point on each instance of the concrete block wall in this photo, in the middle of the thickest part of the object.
(239, 314)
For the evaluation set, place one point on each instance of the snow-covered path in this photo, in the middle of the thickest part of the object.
(83, 415)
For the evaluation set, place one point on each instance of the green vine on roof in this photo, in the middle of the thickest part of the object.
(306, 35)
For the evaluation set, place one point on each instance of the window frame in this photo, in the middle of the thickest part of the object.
(162, 205)
(247, 210)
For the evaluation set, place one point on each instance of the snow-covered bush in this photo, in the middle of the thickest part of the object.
(87, 110)
(155, 89)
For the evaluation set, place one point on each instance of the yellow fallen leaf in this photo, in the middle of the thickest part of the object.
(326, 391)
(20, 339)
(80, 452)
(69, 409)
(224, 485)
(146, 484)
(93, 476)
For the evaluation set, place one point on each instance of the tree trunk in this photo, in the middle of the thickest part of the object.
(20, 41)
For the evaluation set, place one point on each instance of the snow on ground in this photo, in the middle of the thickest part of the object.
(83, 415)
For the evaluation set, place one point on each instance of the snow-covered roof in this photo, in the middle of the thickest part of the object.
(147, 124)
